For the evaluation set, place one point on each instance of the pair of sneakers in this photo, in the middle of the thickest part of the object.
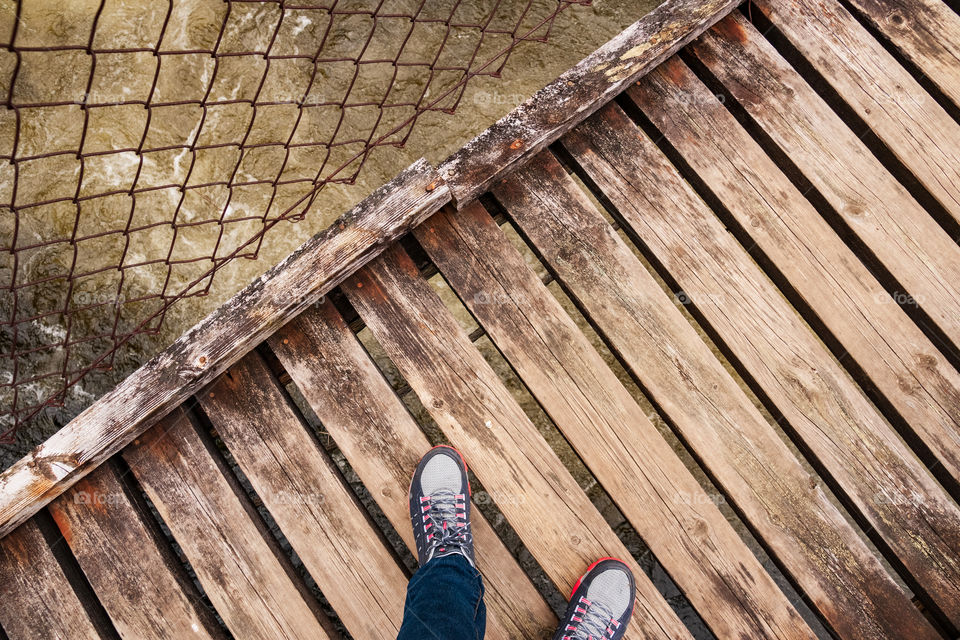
(602, 599)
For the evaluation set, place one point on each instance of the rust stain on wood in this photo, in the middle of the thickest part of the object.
(63, 523)
(731, 30)
(672, 69)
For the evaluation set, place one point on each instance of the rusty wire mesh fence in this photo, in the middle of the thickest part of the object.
(143, 145)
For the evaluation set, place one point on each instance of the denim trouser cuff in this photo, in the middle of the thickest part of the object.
(444, 601)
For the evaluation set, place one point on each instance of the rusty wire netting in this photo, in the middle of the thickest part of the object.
(145, 144)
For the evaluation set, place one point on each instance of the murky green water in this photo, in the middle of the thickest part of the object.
(120, 79)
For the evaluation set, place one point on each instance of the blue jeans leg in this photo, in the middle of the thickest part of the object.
(444, 602)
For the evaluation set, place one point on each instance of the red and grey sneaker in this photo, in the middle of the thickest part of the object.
(601, 603)
(440, 506)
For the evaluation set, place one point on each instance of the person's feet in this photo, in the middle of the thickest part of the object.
(601, 603)
(440, 506)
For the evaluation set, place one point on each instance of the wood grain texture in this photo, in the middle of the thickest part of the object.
(678, 521)
(235, 558)
(899, 232)
(925, 33)
(911, 123)
(217, 341)
(785, 504)
(896, 356)
(543, 503)
(826, 410)
(302, 488)
(383, 443)
(36, 600)
(573, 96)
(134, 573)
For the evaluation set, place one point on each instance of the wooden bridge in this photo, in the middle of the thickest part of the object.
(720, 260)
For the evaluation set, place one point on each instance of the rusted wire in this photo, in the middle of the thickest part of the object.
(236, 113)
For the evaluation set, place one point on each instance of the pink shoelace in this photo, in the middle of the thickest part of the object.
(444, 518)
(590, 621)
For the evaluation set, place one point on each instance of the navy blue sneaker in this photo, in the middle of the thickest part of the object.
(601, 603)
(440, 506)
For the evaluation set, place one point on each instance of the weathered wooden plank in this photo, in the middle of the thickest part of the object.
(666, 505)
(134, 574)
(826, 410)
(784, 503)
(557, 522)
(303, 490)
(911, 123)
(914, 248)
(235, 558)
(573, 96)
(925, 33)
(36, 600)
(218, 341)
(896, 356)
(383, 443)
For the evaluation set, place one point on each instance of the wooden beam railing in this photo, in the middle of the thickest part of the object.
(218, 341)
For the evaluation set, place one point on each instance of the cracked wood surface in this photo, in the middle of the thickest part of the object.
(925, 33)
(37, 601)
(875, 207)
(147, 594)
(894, 353)
(896, 108)
(237, 561)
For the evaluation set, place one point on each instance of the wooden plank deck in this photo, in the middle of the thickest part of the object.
(101, 522)
(830, 416)
(924, 32)
(904, 365)
(479, 416)
(881, 92)
(906, 240)
(370, 424)
(782, 500)
(708, 330)
(236, 560)
(38, 600)
(302, 489)
(607, 428)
